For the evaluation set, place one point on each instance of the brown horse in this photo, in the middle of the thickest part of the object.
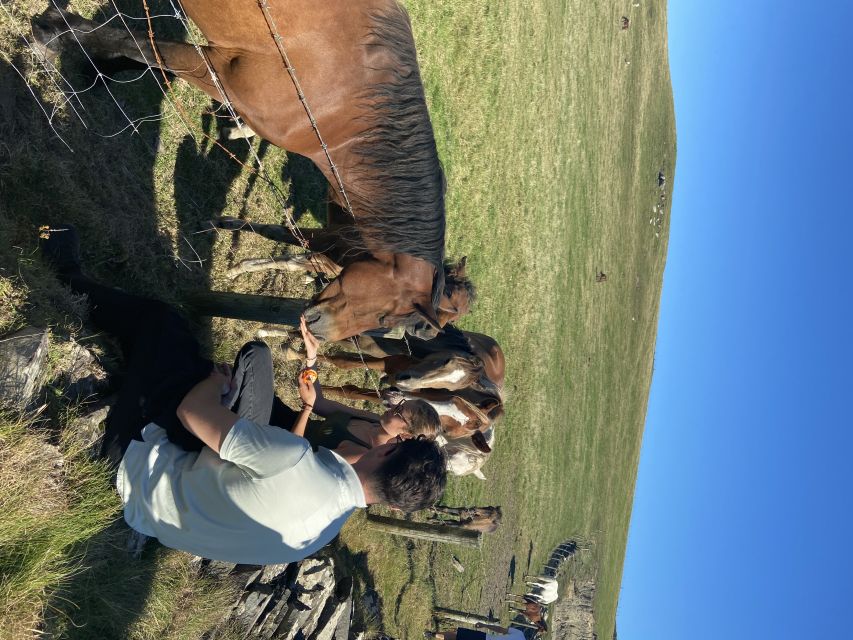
(329, 256)
(463, 413)
(453, 360)
(358, 68)
(533, 611)
(460, 373)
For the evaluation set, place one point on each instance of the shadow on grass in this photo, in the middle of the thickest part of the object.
(110, 592)
(364, 588)
(105, 185)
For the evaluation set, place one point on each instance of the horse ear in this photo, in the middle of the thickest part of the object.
(460, 266)
(479, 441)
(428, 314)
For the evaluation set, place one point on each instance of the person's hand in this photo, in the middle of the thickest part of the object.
(307, 392)
(311, 342)
(226, 376)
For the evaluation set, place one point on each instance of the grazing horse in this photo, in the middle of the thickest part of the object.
(548, 584)
(329, 256)
(467, 455)
(357, 65)
(533, 611)
(483, 519)
(462, 413)
(460, 373)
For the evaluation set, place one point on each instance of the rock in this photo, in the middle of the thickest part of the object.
(82, 375)
(315, 584)
(456, 564)
(23, 355)
(88, 424)
(327, 626)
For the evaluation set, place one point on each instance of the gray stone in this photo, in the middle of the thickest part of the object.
(88, 423)
(22, 359)
(82, 376)
(315, 584)
(327, 627)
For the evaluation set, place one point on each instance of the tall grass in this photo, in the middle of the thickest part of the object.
(53, 499)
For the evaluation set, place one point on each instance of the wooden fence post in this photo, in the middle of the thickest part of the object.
(425, 531)
(244, 306)
(463, 616)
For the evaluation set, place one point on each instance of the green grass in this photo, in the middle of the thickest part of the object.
(551, 144)
(53, 501)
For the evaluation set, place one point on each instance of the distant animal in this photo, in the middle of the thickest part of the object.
(543, 595)
(625, 23)
(661, 179)
(533, 612)
(357, 66)
(601, 277)
(542, 589)
(483, 519)
(542, 582)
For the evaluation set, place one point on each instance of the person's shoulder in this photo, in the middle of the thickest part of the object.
(253, 444)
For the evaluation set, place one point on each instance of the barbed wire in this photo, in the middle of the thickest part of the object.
(71, 98)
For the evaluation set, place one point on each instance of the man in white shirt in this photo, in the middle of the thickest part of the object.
(461, 633)
(200, 468)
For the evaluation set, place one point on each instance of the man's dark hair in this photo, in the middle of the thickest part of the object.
(413, 477)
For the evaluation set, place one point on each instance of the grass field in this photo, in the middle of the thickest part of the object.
(552, 124)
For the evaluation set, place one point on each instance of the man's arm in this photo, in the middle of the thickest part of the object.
(202, 413)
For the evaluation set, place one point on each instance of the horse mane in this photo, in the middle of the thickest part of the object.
(398, 188)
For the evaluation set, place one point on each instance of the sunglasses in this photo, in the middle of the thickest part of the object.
(398, 411)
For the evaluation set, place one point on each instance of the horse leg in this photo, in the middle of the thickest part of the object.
(351, 392)
(348, 361)
(54, 28)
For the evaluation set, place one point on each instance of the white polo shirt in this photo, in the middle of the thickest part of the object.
(265, 499)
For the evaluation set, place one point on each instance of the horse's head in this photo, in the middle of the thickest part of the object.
(465, 418)
(466, 458)
(439, 370)
(455, 301)
(380, 291)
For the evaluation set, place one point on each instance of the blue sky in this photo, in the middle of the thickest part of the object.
(742, 517)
